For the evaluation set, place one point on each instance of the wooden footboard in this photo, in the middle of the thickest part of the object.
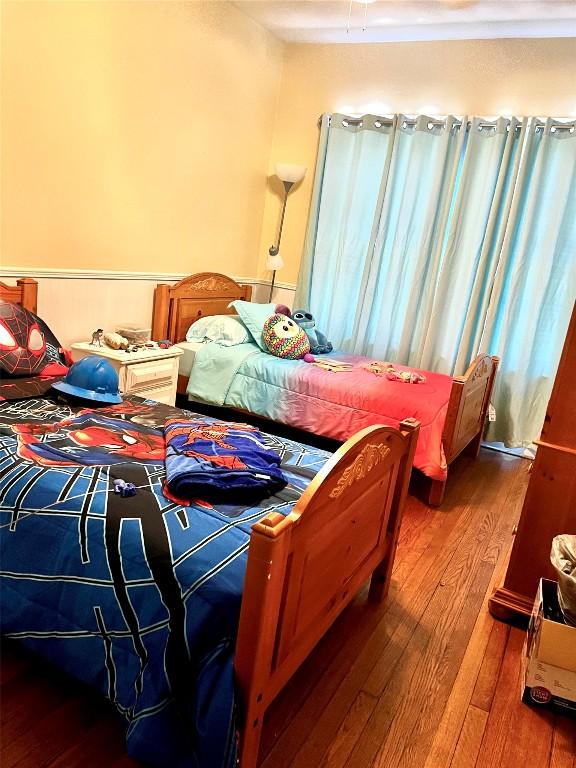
(469, 400)
(466, 415)
(305, 568)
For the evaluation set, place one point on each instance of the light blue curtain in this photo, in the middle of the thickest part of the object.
(400, 278)
(472, 246)
(430, 240)
(535, 285)
(338, 237)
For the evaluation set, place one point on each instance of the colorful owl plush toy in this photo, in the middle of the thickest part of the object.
(284, 338)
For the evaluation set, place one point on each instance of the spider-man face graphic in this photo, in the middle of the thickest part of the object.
(22, 343)
(89, 439)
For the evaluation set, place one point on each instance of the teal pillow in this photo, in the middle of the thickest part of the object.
(254, 316)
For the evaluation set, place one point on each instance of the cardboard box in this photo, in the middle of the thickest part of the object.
(549, 658)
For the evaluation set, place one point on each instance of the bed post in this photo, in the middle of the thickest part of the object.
(436, 493)
(473, 448)
(29, 288)
(269, 546)
(380, 581)
(160, 312)
(466, 415)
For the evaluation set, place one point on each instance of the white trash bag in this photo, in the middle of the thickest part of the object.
(563, 558)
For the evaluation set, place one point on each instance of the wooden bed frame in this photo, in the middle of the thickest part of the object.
(209, 293)
(25, 292)
(305, 568)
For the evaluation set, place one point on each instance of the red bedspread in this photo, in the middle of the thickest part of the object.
(337, 404)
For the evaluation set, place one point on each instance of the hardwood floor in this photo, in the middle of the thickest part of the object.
(427, 680)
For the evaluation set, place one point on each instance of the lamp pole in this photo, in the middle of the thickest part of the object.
(273, 276)
(275, 249)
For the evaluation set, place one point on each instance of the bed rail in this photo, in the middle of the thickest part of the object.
(305, 568)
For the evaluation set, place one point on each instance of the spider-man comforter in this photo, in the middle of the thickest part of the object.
(137, 596)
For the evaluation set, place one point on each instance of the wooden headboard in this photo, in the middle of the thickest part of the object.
(176, 307)
(25, 292)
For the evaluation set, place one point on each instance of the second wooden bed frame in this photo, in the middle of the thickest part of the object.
(209, 293)
(305, 568)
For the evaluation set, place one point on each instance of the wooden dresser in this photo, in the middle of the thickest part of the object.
(550, 503)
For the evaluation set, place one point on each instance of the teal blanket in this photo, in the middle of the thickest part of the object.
(214, 370)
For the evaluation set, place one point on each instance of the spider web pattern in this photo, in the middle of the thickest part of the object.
(137, 596)
(18, 322)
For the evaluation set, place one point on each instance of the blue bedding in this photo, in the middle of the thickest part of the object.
(137, 596)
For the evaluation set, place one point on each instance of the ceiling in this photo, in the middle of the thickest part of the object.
(357, 21)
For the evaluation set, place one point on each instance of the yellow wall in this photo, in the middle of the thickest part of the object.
(482, 77)
(136, 135)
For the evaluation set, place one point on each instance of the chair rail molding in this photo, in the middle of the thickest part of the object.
(103, 274)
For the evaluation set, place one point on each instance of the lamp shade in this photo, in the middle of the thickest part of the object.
(274, 262)
(290, 173)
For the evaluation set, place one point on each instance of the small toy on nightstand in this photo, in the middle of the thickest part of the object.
(164, 344)
(138, 347)
(115, 341)
(97, 338)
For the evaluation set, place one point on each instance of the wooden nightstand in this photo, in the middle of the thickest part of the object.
(150, 373)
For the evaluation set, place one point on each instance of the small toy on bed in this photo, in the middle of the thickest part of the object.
(284, 338)
(123, 488)
(334, 366)
(387, 369)
(319, 344)
(376, 367)
(406, 377)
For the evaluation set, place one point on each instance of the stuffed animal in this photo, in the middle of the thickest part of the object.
(319, 344)
(284, 338)
(387, 369)
(282, 309)
(115, 341)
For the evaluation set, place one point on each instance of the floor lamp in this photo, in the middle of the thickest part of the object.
(288, 175)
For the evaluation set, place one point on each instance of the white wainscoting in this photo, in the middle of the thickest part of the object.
(75, 303)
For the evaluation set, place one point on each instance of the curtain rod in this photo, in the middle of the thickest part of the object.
(382, 121)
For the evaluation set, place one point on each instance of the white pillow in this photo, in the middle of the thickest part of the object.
(227, 330)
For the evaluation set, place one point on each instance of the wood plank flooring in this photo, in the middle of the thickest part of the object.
(427, 680)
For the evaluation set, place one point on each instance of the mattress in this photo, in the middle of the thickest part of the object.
(186, 360)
